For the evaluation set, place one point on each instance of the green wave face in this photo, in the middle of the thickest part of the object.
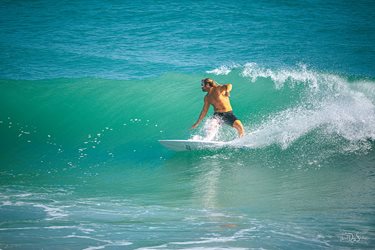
(292, 109)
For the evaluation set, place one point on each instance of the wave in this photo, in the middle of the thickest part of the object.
(74, 120)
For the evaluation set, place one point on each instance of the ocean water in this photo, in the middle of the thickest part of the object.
(87, 88)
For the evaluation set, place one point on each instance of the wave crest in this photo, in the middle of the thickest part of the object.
(223, 69)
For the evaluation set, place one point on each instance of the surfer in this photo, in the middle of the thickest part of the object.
(218, 97)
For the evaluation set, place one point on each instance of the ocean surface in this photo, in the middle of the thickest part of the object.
(87, 88)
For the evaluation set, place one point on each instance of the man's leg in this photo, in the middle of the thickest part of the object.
(239, 127)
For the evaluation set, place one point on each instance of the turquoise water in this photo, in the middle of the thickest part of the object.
(88, 88)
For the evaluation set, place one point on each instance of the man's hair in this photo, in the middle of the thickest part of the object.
(209, 81)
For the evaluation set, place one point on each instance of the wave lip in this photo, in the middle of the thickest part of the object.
(223, 69)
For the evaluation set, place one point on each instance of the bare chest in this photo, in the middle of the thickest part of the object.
(216, 97)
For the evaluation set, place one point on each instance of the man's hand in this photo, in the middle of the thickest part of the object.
(195, 125)
(203, 113)
(227, 88)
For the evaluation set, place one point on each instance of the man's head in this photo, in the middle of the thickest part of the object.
(208, 83)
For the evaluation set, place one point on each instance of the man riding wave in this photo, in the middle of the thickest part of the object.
(218, 96)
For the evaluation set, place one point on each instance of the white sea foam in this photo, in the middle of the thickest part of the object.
(6, 203)
(213, 131)
(20, 228)
(52, 212)
(365, 87)
(354, 122)
(109, 243)
(281, 76)
(205, 240)
(223, 69)
(330, 102)
(217, 248)
(12, 203)
(80, 228)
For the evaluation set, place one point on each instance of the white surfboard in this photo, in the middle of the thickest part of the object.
(188, 145)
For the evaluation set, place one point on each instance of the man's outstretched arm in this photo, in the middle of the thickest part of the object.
(203, 113)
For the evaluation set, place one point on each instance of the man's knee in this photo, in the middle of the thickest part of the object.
(238, 126)
(237, 123)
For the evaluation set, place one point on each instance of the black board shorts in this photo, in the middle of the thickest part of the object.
(226, 117)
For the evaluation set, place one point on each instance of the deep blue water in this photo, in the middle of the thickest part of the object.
(127, 39)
